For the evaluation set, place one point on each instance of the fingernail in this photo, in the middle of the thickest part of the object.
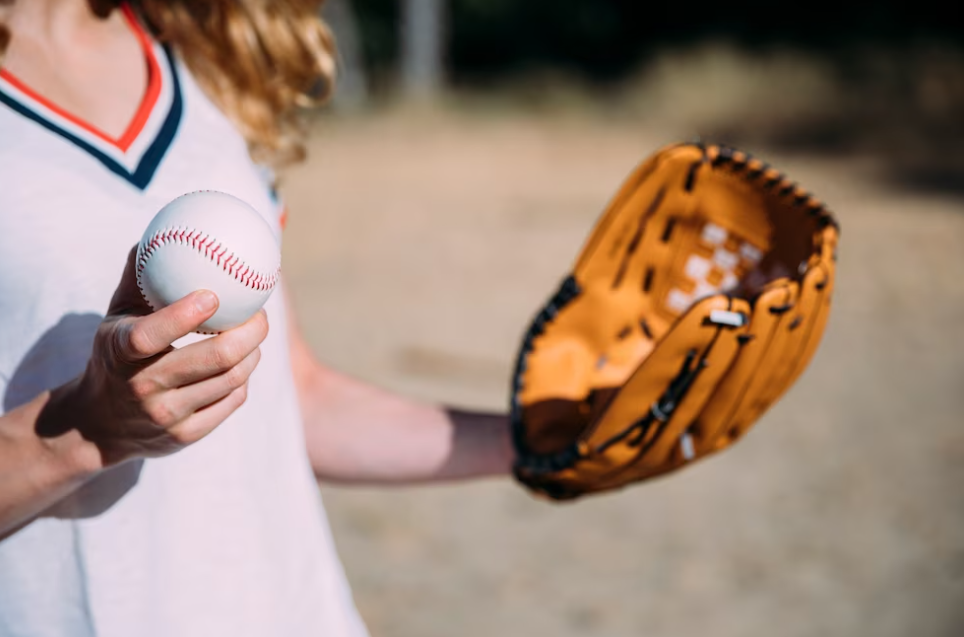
(205, 301)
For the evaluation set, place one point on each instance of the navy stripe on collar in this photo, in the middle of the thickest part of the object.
(150, 161)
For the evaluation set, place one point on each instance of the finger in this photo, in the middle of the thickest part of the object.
(127, 299)
(136, 339)
(208, 358)
(192, 398)
(167, 408)
(203, 422)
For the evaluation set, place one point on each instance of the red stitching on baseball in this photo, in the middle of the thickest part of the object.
(212, 250)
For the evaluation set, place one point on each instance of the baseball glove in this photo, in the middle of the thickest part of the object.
(699, 298)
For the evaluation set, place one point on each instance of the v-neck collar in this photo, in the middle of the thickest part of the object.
(137, 153)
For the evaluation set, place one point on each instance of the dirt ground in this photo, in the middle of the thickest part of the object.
(419, 247)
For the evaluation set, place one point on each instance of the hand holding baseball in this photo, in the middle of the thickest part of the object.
(140, 397)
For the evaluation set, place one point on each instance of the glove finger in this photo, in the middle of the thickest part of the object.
(619, 236)
(675, 442)
(603, 242)
(651, 452)
(724, 417)
(799, 328)
(825, 287)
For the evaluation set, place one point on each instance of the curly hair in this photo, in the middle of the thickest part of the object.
(261, 61)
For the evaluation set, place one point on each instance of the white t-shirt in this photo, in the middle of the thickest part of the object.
(227, 537)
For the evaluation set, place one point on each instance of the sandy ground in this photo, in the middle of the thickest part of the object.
(419, 247)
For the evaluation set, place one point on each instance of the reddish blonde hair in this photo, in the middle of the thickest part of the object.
(261, 61)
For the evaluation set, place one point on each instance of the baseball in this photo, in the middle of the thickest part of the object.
(213, 241)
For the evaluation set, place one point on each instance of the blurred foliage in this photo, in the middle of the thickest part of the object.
(606, 39)
(885, 77)
(378, 23)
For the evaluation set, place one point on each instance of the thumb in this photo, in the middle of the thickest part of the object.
(137, 338)
(139, 332)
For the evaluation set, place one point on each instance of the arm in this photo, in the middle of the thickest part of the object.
(138, 397)
(37, 471)
(356, 433)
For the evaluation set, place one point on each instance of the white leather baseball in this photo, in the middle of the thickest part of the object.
(209, 240)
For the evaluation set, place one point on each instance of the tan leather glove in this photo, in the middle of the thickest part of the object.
(699, 298)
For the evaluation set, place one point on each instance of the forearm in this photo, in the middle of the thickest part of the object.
(360, 434)
(41, 461)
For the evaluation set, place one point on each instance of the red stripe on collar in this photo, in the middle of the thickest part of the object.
(144, 110)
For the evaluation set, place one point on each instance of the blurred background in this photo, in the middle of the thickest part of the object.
(470, 148)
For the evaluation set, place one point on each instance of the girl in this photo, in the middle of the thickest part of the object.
(146, 489)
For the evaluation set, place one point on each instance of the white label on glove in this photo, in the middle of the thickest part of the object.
(714, 234)
(725, 259)
(751, 253)
(697, 268)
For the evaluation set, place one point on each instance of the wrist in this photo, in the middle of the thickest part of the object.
(69, 457)
(483, 442)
